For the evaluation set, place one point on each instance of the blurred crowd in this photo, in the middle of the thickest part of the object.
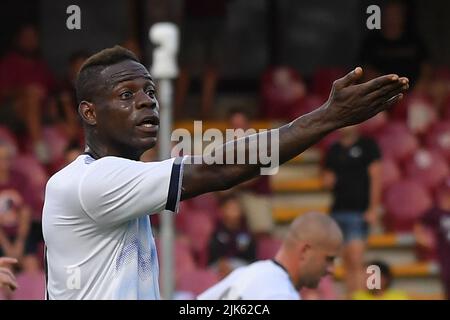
(398, 162)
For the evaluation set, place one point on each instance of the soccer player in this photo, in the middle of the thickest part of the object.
(95, 218)
(306, 255)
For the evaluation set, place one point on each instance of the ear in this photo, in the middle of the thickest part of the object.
(87, 112)
(303, 250)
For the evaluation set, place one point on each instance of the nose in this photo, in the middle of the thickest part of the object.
(143, 100)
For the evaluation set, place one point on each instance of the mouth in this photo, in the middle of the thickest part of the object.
(148, 124)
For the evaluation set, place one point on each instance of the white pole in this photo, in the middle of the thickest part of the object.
(165, 69)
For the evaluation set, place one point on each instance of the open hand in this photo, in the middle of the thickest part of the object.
(351, 103)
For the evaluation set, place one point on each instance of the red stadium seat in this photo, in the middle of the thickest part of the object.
(405, 201)
(323, 80)
(390, 172)
(397, 142)
(205, 202)
(199, 228)
(421, 114)
(267, 247)
(197, 281)
(29, 166)
(277, 103)
(374, 125)
(428, 167)
(439, 138)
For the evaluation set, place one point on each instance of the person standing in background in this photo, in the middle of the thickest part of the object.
(353, 173)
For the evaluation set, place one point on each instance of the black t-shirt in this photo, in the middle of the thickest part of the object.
(350, 165)
(403, 56)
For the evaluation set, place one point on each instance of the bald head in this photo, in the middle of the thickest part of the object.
(315, 228)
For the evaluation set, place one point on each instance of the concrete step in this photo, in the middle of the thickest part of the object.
(287, 207)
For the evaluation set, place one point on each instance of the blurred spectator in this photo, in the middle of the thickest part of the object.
(203, 28)
(15, 212)
(71, 152)
(231, 244)
(25, 82)
(255, 195)
(353, 172)
(384, 292)
(395, 48)
(433, 232)
(63, 107)
(284, 94)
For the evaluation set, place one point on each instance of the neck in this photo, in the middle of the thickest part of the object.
(285, 259)
(99, 149)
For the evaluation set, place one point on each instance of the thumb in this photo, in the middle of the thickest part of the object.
(349, 79)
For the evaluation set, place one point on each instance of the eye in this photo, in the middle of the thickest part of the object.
(150, 92)
(126, 95)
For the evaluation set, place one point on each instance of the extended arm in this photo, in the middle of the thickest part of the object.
(349, 103)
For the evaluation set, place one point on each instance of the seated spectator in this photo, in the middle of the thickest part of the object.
(25, 82)
(63, 107)
(384, 290)
(231, 244)
(15, 212)
(433, 232)
(255, 195)
(283, 94)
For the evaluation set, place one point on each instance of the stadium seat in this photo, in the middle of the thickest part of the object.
(374, 125)
(397, 142)
(29, 166)
(197, 281)
(31, 286)
(199, 228)
(390, 172)
(438, 138)
(323, 80)
(421, 114)
(206, 202)
(405, 201)
(428, 167)
(267, 247)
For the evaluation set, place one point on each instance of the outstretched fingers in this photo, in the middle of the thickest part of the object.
(379, 83)
(388, 91)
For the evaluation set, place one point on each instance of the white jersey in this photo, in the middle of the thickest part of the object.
(262, 280)
(98, 237)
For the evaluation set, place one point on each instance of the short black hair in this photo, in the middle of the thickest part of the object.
(89, 81)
